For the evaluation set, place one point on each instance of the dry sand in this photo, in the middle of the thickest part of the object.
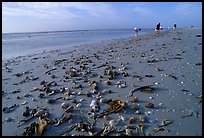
(176, 95)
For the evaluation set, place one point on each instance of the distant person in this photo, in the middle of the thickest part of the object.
(174, 27)
(158, 27)
(136, 31)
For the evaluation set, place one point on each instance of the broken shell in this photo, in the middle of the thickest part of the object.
(69, 109)
(132, 120)
(113, 123)
(133, 100)
(26, 95)
(142, 119)
(93, 103)
(103, 100)
(39, 113)
(40, 128)
(26, 113)
(25, 102)
(79, 93)
(64, 105)
(149, 105)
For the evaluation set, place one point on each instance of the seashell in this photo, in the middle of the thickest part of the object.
(81, 100)
(132, 120)
(105, 117)
(137, 112)
(34, 111)
(64, 105)
(69, 109)
(153, 121)
(25, 102)
(160, 104)
(103, 100)
(41, 95)
(135, 107)
(107, 82)
(113, 123)
(78, 105)
(93, 103)
(149, 105)
(18, 97)
(134, 100)
(151, 98)
(26, 95)
(104, 92)
(79, 93)
(128, 132)
(33, 99)
(115, 105)
(88, 94)
(39, 113)
(50, 101)
(9, 119)
(142, 119)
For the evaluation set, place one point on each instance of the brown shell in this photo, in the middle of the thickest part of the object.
(115, 105)
(134, 100)
(132, 120)
(149, 105)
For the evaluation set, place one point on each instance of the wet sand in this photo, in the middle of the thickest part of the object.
(170, 63)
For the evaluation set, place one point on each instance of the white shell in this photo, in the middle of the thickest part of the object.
(93, 103)
(64, 105)
(25, 102)
(78, 105)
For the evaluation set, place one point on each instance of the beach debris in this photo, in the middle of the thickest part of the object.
(170, 75)
(48, 71)
(41, 126)
(142, 119)
(147, 88)
(165, 122)
(78, 105)
(69, 109)
(137, 112)
(16, 91)
(107, 82)
(23, 103)
(109, 72)
(30, 130)
(9, 119)
(51, 101)
(10, 109)
(158, 129)
(64, 118)
(132, 120)
(64, 105)
(93, 85)
(72, 72)
(141, 129)
(199, 35)
(159, 69)
(41, 95)
(115, 106)
(188, 115)
(113, 124)
(149, 105)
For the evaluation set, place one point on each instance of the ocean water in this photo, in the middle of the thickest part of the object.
(21, 44)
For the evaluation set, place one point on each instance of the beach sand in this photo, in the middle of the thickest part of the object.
(171, 63)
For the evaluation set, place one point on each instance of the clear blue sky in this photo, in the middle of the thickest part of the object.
(53, 16)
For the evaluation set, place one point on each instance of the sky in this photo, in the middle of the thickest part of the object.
(59, 16)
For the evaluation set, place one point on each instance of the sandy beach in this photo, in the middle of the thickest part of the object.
(69, 91)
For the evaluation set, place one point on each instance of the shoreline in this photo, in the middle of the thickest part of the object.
(171, 62)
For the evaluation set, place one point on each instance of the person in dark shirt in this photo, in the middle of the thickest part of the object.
(174, 27)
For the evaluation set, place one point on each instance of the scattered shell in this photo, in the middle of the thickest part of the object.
(153, 121)
(93, 103)
(79, 93)
(9, 119)
(26, 95)
(78, 105)
(107, 82)
(149, 105)
(113, 123)
(39, 113)
(137, 112)
(142, 119)
(134, 100)
(132, 120)
(69, 109)
(103, 100)
(42, 124)
(64, 105)
(151, 98)
(115, 105)
(25, 102)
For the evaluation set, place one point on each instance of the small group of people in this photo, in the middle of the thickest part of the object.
(136, 31)
(159, 27)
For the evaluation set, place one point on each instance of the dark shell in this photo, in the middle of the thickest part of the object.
(149, 105)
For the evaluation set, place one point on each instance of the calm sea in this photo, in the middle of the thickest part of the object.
(21, 44)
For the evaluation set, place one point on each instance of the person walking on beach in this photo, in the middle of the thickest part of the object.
(136, 31)
(174, 27)
(158, 27)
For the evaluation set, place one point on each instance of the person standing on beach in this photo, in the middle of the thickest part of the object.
(158, 27)
(136, 31)
(175, 27)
